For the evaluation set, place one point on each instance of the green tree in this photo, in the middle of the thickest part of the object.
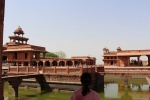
(49, 54)
(61, 54)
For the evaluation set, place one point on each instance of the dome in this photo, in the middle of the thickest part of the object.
(118, 48)
(104, 49)
(19, 30)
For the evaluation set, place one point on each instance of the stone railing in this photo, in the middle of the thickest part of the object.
(127, 70)
(133, 68)
(57, 70)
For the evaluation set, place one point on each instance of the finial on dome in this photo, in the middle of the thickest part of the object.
(106, 50)
(118, 48)
(19, 30)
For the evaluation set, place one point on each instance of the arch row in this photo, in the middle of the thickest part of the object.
(50, 63)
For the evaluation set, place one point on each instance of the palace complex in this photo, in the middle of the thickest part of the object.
(18, 52)
(121, 57)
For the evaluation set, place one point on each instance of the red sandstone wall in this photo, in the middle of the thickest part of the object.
(123, 61)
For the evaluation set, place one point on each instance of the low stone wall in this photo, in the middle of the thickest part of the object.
(63, 82)
(50, 86)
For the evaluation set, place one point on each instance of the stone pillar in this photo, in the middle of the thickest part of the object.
(43, 63)
(37, 63)
(65, 63)
(21, 63)
(17, 68)
(148, 59)
(95, 68)
(51, 63)
(16, 63)
(58, 63)
(44, 55)
(81, 70)
(138, 60)
(128, 61)
(118, 61)
(29, 64)
(67, 69)
(15, 84)
(2, 7)
(73, 63)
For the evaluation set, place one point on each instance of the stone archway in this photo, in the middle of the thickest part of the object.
(69, 63)
(40, 63)
(61, 63)
(47, 63)
(76, 63)
(54, 63)
(25, 64)
(34, 63)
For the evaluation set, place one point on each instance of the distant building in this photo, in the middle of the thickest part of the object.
(18, 52)
(121, 58)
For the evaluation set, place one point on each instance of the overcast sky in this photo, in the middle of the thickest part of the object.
(81, 27)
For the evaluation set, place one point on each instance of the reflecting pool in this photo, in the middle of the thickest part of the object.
(112, 91)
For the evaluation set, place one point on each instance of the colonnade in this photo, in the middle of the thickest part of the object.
(48, 63)
(139, 61)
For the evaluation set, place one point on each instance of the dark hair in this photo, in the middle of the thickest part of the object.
(86, 80)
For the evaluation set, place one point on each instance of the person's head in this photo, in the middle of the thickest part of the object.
(86, 80)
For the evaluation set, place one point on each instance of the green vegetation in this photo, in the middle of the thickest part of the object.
(49, 54)
(59, 54)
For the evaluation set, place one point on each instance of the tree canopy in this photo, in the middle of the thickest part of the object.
(59, 54)
(49, 54)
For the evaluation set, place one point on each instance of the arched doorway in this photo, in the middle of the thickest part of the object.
(40, 63)
(69, 63)
(25, 64)
(76, 63)
(54, 63)
(61, 63)
(34, 63)
(47, 63)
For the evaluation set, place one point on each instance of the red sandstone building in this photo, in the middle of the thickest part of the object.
(121, 57)
(19, 53)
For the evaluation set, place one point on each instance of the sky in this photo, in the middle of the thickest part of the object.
(81, 27)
